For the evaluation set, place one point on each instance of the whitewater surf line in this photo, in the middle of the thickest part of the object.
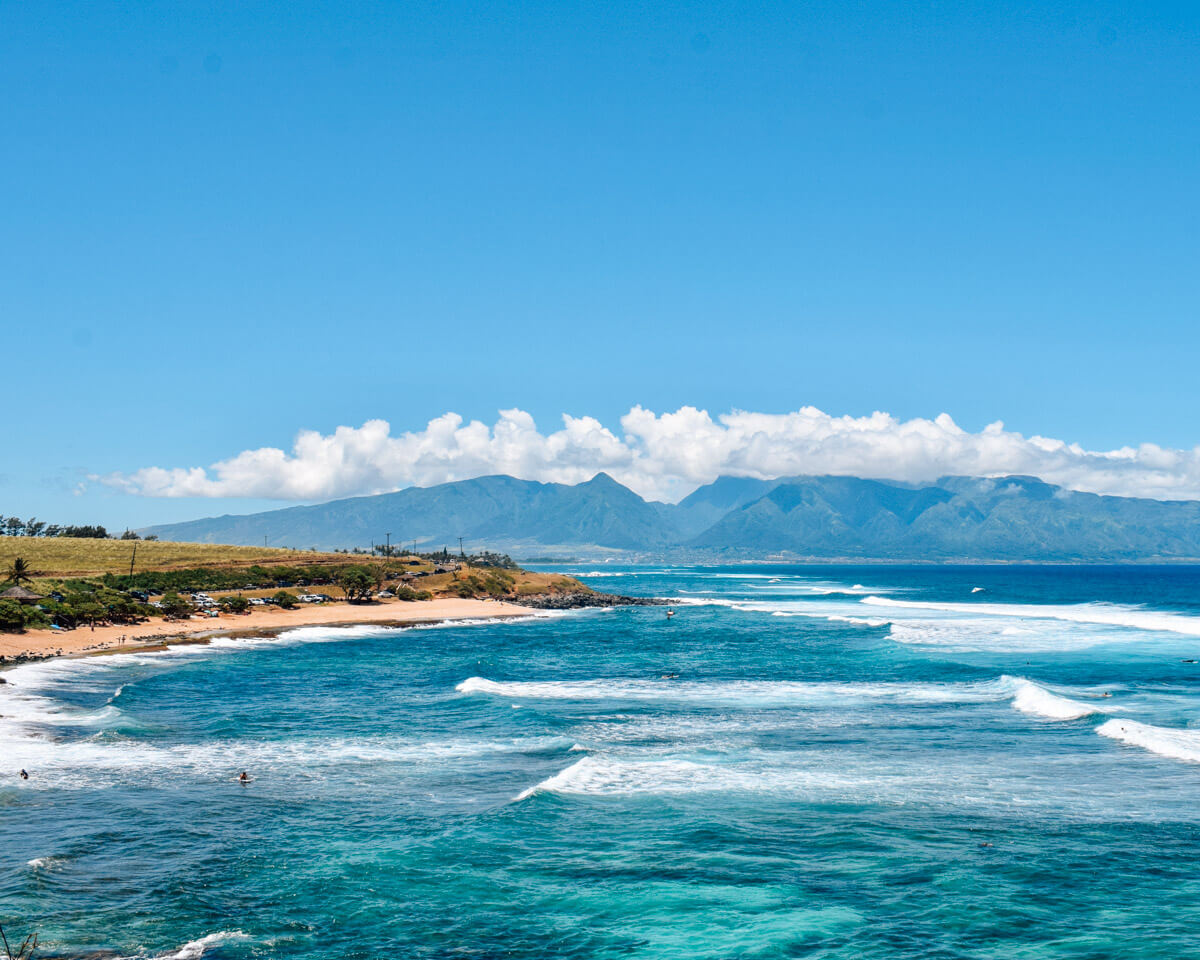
(1178, 744)
(1025, 695)
(1100, 614)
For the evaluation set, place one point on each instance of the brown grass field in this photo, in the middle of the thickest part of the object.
(54, 558)
(71, 557)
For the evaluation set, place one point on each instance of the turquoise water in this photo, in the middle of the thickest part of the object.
(837, 762)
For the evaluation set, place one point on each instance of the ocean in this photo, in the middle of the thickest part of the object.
(825, 762)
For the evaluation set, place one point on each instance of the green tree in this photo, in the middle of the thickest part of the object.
(89, 611)
(12, 617)
(286, 600)
(237, 604)
(174, 606)
(359, 583)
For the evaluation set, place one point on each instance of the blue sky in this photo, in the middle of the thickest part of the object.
(227, 223)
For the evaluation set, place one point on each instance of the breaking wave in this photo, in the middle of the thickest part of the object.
(606, 776)
(734, 691)
(1170, 742)
(1101, 614)
(1037, 701)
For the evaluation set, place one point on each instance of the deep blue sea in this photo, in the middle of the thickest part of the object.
(827, 762)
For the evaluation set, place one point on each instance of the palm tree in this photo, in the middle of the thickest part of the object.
(19, 571)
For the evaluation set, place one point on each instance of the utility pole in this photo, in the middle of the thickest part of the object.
(388, 549)
(132, 557)
(460, 549)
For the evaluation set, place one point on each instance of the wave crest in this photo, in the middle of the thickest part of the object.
(1165, 741)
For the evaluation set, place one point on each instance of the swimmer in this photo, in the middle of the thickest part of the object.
(24, 775)
(243, 777)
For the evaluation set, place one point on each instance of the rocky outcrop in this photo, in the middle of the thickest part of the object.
(573, 601)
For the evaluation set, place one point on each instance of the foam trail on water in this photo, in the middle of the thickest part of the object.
(1165, 741)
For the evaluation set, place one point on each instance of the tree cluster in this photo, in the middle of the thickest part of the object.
(33, 527)
(74, 603)
(243, 578)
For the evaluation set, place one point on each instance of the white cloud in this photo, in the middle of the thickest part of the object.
(665, 456)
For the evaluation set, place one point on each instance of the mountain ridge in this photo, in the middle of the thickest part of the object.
(1012, 518)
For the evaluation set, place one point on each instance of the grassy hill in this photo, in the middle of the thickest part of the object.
(71, 557)
(83, 581)
(57, 559)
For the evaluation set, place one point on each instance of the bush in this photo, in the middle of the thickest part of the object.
(12, 617)
(234, 604)
(174, 606)
(286, 600)
(409, 594)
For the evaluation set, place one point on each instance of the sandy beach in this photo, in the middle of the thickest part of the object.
(49, 643)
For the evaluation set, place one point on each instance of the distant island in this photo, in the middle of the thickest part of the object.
(817, 518)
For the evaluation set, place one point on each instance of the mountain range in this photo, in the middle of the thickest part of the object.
(810, 517)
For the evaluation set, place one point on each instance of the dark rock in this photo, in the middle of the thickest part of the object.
(574, 601)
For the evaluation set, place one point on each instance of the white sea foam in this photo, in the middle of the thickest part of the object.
(1175, 743)
(1101, 614)
(996, 627)
(595, 775)
(617, 776)
(834, 618)
(197, 948)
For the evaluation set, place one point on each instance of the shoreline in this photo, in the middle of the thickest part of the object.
(35, 645)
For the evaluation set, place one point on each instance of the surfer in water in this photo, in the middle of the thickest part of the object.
(24, 775)
(670, 613)
(243, 777)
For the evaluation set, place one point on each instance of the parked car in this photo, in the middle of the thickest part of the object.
(311, 598)
(258, 601)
